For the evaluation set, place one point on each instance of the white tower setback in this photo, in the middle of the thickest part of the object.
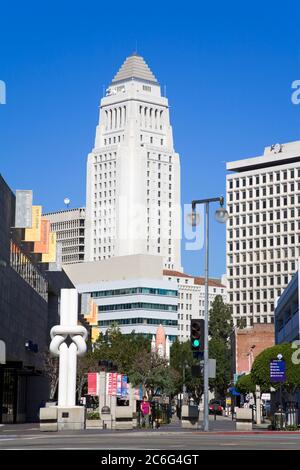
(133, 172)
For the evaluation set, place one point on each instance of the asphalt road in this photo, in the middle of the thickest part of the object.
(172, 438)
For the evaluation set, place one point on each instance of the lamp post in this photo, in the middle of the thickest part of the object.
(221, 216)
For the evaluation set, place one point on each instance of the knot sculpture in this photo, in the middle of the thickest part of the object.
(76, 336)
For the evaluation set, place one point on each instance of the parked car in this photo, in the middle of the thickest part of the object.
(215, 407)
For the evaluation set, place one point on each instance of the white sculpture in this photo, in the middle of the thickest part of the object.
(68, 355)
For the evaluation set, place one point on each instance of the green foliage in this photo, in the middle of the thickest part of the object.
(154, 373)
(245, 384)
(93, 415)
(132, 355)
(220, 320)
(220, 328)
(260, 372)
(182, 360)
(120, 349)
(220, 351)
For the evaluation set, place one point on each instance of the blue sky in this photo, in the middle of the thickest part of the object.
(228, 67)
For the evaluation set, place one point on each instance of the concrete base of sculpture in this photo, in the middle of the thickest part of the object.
(123, 417)
(72, 418)
(57, 418)
(48, 419)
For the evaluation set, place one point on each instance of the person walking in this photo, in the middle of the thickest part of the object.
(146, 412)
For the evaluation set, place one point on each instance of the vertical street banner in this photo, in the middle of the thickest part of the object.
(93, 382)
(111, 383)
(33, 234)
(42, 246)
(23, 213)
(119, 385)
(50, 257)
(124, 386)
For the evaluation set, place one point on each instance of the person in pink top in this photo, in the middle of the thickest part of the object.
(146, 412)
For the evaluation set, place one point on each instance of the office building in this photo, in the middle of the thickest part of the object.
(128, 291)
(263, 231)
(191, 298)
(69, 226)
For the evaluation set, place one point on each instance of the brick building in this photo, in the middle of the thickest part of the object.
(248, 343)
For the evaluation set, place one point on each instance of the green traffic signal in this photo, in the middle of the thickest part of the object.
(196, 343)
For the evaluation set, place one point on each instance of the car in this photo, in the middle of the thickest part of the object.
(215, 407)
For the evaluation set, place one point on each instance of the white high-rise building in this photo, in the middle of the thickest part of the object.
(191, 298)
(133, 172)
(263, 231)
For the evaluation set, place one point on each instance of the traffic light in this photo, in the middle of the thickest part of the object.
(197, 335)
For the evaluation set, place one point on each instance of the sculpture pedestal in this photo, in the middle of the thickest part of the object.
(72, 418)
(59, 418)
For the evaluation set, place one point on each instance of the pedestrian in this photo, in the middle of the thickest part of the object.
(146, 412)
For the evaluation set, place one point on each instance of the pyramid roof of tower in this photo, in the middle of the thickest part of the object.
(135, 67)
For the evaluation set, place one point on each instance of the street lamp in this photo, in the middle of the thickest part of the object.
(221, 215)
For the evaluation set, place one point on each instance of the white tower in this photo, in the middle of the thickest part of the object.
(133, 172)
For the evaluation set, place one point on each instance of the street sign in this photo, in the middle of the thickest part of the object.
(277, 371)
(212, 368)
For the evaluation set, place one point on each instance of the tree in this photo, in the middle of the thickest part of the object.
(153, 373)
(245, 384)
(260, 372)
(51, 371)
(120, 349)
(182, 360)
(220, 328)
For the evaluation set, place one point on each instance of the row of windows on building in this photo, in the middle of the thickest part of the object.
(250, 270)
(71, 241)
(137, 305)
(109, 160)
(264, 191)
(157, 165)
(135, 290)
(262, 204)
(72, 249)
(250, 321)
(259, 230)
(138, 321)
(160, 158)
(116, 139)
(74, 258)
(67, 234)
(266, 294)
(265, 178)
(270, 255)
(67, 224)
(264, 217)
(251, 308)
(266, 242)
(246, 283)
